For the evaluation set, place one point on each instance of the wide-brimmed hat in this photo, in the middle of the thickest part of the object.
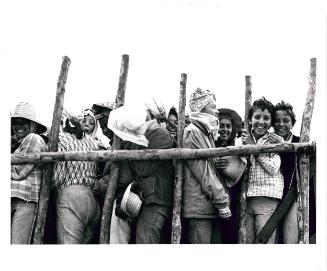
(236, 119)
(131, 203)
(26, 111)
(234, 170)
(128, 123)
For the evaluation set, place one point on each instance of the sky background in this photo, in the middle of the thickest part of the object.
(216, 43)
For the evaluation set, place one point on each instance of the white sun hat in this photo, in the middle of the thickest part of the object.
(128, 123)
(131, 203)
(26, 111)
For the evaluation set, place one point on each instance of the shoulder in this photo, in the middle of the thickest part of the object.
(33, 138)
(158, 137)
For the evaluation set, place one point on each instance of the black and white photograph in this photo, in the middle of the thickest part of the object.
(164, 134)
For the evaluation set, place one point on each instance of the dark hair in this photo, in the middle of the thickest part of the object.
(286, 107)
(173, 111)
(262, 104)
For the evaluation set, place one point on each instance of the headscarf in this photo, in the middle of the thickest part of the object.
(89, 112)
(210, 122)
(200, 98)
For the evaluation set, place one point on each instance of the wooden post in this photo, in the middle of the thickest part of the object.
(176, 223)
(114, 166)
(242, 224)
(304, 164)
(52, 146)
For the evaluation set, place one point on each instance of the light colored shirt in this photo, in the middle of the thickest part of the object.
(265, 177)
(26, 178)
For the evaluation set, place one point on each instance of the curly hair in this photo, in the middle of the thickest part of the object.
(262, 104)
(288, 108)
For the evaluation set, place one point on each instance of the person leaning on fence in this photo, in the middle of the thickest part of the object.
(265, 182)
(78, 212)
(284, 120)
(25, 178)
(204, 196)
(152, 179)
(230, 169)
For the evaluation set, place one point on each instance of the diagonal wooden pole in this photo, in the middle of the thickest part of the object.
(304, 164)
(176, 223)
(52, 146)
(114, 166)
(242, 224)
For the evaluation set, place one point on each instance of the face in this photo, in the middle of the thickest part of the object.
(282, 123)
(21, 127)
(88, 124)
(210, 108)
(261, 122)
(173, 119)
(225, 129)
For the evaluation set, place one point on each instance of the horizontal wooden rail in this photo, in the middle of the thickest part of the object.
(157, 154)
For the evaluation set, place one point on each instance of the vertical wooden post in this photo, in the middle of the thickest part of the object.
(303, 184)
(242, 225)
(114, 166)
(176, 223)
(52, 147)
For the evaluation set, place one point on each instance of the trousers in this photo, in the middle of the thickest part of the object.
(23, 215)
(78, 215)
(259, 210)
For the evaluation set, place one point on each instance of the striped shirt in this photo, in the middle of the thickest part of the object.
(74, 172)
(26, 178)
(265, 177)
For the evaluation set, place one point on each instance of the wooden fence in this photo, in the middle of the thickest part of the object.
(304, 148)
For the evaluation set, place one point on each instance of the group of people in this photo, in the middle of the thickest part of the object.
(143, 206)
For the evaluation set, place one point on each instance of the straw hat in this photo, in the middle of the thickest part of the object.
(234, 170)
(26, 111)
(128, 123)
(131, 203)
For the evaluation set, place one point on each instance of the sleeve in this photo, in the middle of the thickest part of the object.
(270, 162)
(204, 173)
(32, 143)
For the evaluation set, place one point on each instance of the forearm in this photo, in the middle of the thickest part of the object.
(19, 173)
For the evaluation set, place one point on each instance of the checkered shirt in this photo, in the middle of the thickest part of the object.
(265, 177)
(74, 172)
(26, 178)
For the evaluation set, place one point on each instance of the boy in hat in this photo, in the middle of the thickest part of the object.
(204, 197)
(25, 178)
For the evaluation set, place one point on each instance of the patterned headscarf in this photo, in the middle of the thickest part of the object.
(200, 98)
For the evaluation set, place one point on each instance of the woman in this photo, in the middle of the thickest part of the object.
(25, 178)
(266, 182)
(229, 125)
(78, 212)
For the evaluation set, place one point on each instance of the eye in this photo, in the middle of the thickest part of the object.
(228, 126)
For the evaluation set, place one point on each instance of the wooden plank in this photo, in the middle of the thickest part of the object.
(114, 167)
(52, 146)
(304, 164)
(242, 224)
(176, 223)
(276, 217)
(161, 154)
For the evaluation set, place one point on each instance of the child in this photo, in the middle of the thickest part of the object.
(265, 184)
(25, 178)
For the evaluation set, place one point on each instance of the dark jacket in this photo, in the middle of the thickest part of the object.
(288, 168)
(154, 178)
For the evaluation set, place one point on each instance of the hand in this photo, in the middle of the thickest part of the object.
(246, 138)
(222, 163)
(274, 139)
